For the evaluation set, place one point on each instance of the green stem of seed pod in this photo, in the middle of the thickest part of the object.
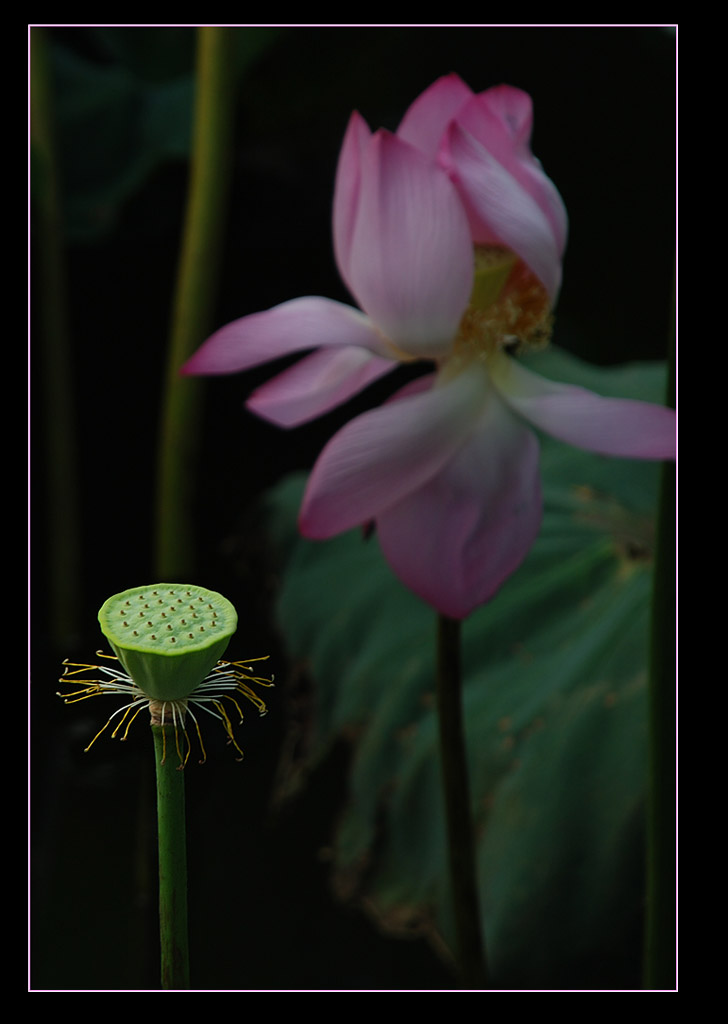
(172, 862)
(197, 278)
(458, 812)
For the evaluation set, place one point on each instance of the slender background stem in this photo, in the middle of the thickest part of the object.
(172, 862)
(51, 333)
(196, 291)
(458, 814)
(660, 935)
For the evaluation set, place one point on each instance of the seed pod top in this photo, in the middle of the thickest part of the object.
(168, 636)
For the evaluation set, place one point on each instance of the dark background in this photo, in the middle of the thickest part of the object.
(261, 912)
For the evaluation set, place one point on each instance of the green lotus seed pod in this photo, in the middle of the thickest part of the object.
(168, 636)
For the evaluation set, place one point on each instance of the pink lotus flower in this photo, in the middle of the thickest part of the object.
(450, 236)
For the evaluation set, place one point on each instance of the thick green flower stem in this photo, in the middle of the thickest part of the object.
(195, 293)
(172, 861)
(458, 814)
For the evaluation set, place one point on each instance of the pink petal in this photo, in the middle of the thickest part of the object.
(411, 259)
(610, 426)
(513, 110)
(346, 191)
(424, 124)
(500, 119)
(291, 327)
(502, 210)
(379, 457)
(317, 383)
(457, 538)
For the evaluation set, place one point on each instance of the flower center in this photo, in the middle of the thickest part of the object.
(509, 309)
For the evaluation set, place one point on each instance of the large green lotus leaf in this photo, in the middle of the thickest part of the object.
(554, 673)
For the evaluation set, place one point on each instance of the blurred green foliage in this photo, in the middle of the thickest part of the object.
(124, 99)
